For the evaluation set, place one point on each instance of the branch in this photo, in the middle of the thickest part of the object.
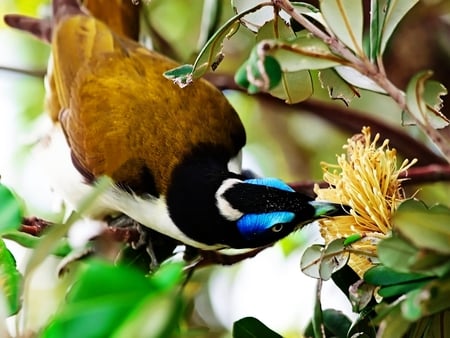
(40, 73)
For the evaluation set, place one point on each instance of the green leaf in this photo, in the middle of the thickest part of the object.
(363, 326)
(427, 228)
(10, 280)
(334, 257)
(250, 327)
(401, 289)
(396, 253)
(29, 241)
(383, 276)
(376, 22)
(336, 323)
(394, 324)
(424, 102)
(107, 298)
(338, 89)
(305, 52)
(352, 76)
(294, 87)
(360, 295)
(309, 10)
(276, 29)
(181, 75)
(10, 211)
(310, 261)
(345, 18)
(431, 299)
(394, 11)
(261, 72)
(352, 239)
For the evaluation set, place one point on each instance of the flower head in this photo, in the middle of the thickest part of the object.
(366, 178)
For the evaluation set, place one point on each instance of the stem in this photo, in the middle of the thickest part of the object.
(365, 67)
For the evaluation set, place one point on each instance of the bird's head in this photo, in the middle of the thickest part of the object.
(265, 210)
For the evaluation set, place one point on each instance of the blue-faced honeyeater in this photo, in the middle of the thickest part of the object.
(171, 152)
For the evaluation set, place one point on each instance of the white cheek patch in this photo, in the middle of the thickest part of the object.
(225, 208)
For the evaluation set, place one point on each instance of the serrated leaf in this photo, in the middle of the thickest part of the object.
(424, 102)
(250, 327)
(345, 19)
(10, 211)
(338, 89)
(427, 228)
(10, 280)
(294, 87)
(394, 11)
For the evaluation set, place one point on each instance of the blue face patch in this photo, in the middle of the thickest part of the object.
(252, 225)
(270, 182)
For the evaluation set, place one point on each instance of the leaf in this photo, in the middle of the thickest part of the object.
(393, 325)
(424, 102)
(310, 261)
(320, 262)
(10, 211)
(336, 323)
(376, 22)
(360, 295)
(345, 18)
(105, 297)
(305, 52)
(357, 79)
(211, 54)
(294, 87)
(401, 289)
(334, 257)
(437, 325)
(382, 276)
(310, 11)
(427, 228)
(259, 73)
(10, 280)
(395, 253)
(250, 327)
(336, 86)
(395, 11)
(29, 241)
(276, 29)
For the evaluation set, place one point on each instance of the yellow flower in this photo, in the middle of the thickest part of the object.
(367, 180)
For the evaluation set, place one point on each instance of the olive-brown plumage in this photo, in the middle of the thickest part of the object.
(169, 151)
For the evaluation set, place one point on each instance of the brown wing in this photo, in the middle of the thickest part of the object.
(124, 119)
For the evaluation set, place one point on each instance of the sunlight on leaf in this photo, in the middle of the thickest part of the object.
(250, 327)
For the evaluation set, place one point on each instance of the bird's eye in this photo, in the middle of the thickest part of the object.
(277, 227)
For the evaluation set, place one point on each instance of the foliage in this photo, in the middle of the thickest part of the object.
(297, 49)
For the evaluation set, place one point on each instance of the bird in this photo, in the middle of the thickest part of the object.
(173, 154)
